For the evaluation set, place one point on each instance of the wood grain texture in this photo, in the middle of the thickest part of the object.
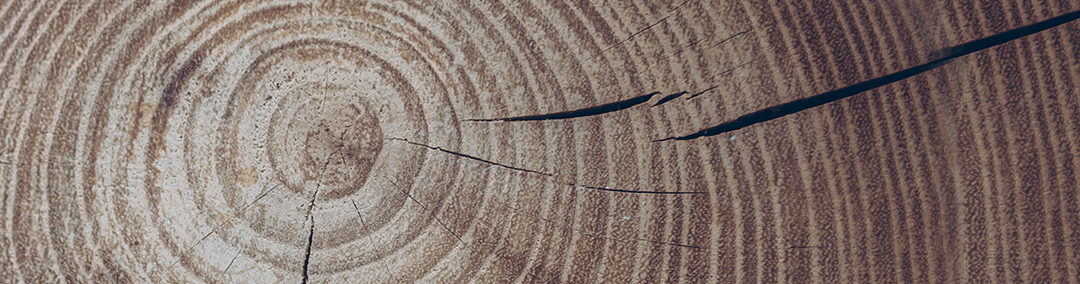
(361, 142)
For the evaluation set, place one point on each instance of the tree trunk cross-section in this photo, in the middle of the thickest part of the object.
(539, 141)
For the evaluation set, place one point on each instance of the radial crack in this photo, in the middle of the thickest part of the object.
(428, 210)
(311, 207)
(945, 56)
(311, 232)
(231, 261)
(542, 173)
(471, 157)
(589, 111)
(307, 252)
(593, 234)
(466, 245)
(219, 225)
(371, 241)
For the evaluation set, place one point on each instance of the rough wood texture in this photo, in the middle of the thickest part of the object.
(359, 142)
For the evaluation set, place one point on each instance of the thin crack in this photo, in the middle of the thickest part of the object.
(584, 112)
(634, 191)
(471, 157)
(433, 215)
(370, 239)
(219, 225)
(682, 49)
(311, 229)
(307, 252)
(466, 245)
(543, 173)
(945, 55)
(673, 11)
(726, 72)
(679, 94)
(702, 92)
(729, 38)
(593, 234)
(231, 261)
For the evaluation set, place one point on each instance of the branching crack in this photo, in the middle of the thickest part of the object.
(542, 173)
(609, 107)
(311, 206)
(943, 56)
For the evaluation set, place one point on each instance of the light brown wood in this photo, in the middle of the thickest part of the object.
(289, 141)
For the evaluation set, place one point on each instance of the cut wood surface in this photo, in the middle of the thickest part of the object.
(524, 141)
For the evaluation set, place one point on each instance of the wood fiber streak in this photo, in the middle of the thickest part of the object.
(539, 141)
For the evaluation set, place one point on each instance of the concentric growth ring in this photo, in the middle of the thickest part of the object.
(303, 105)
(343, 142)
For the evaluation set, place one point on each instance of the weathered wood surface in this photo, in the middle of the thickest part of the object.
(286, 141)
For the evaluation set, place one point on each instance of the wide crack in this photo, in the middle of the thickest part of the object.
(944, 56)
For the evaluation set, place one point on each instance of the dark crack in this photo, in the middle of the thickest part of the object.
(311, 231)
(311, 206)
(702, 92)
(589, 111)
(669, 98)
(706, 90)
(307, 252)
(613, 106)
(543, 173)
(944, 56)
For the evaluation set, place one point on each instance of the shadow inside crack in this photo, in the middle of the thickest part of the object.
(943, 56)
